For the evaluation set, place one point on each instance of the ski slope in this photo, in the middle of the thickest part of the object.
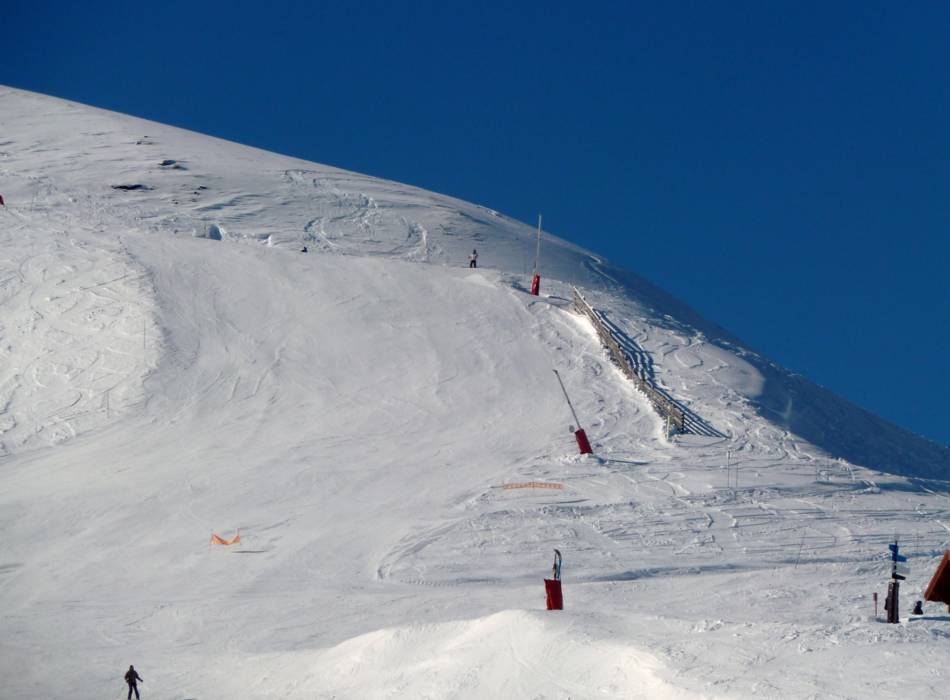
(172, 366)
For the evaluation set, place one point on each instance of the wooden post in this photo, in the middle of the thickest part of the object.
(892, 605)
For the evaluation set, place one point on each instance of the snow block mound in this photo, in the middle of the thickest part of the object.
(214, 232)
(487, 657)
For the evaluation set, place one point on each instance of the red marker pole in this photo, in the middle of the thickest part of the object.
(582, 442)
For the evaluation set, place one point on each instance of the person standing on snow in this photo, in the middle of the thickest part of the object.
(132, 677)
(473, 259)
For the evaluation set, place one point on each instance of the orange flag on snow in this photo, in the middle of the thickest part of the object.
(220, 540)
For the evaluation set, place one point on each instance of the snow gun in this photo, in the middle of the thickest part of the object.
(552, 586)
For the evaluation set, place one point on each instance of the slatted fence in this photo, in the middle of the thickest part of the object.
(667, 410)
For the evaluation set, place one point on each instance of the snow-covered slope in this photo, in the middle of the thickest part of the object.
(171, 366)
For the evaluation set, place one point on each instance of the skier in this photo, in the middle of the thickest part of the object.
(473, 259)
(131, 677)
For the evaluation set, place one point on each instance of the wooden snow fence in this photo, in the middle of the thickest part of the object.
(667, 410)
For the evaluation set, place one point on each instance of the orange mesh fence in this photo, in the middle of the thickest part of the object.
(533, 485)
(220, 540)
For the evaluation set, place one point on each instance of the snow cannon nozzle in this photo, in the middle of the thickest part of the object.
(552, 586)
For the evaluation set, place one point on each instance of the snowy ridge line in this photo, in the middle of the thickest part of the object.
(636, 364)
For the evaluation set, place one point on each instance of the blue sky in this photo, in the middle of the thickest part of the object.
(782, 167)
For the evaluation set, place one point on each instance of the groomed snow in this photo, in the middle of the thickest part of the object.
(171, 366)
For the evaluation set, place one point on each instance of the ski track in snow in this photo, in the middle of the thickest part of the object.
(77, 341)
(355, 416)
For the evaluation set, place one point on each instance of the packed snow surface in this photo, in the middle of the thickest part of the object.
(172, 366)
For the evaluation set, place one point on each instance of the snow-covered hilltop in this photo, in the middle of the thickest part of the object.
(171, 365)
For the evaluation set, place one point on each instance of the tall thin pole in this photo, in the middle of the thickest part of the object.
(568, 398)
(537, 252)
